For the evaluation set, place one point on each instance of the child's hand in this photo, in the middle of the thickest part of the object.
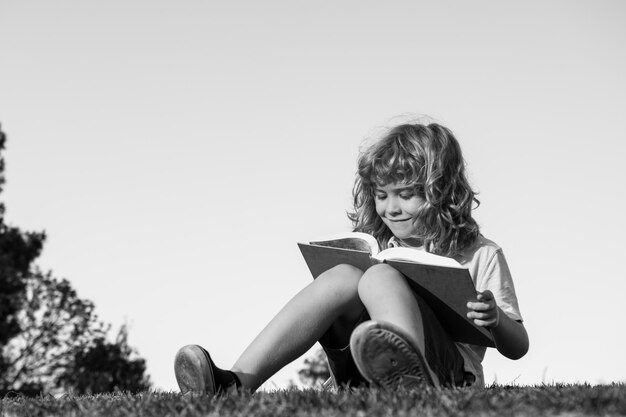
(484, 311)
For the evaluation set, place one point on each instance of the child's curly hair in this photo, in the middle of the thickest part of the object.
(428, 156)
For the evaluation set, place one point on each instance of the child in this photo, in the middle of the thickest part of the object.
(410, 190)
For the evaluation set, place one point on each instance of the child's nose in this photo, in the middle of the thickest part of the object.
(393, 206)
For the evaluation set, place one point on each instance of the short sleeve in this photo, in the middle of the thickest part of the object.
(496, 277)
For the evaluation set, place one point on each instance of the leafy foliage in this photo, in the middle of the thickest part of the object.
(17, 252)
(56, 326)
(315, 371)
(106, 367)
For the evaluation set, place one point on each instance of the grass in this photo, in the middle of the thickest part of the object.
(549, 400)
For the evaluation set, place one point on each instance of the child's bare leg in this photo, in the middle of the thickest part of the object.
(329, 301)
(388, 297)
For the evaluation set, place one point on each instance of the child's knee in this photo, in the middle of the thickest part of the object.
(341, 279)
(379, 278)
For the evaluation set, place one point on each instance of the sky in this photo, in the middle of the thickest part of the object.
(175, 153)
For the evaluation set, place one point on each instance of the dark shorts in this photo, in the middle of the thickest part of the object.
(442, 355)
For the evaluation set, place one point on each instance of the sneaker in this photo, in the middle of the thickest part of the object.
(196, 372)
(387, 357)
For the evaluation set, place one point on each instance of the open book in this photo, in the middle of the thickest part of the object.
(440, 281)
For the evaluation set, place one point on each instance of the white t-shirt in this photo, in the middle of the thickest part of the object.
(489, 271)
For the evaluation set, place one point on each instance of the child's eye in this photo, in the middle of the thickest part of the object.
(380, 196)
(406, 196)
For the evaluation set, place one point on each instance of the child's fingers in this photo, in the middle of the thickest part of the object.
(484, 314)
(480, 306)
(481, 316)
(489, 319)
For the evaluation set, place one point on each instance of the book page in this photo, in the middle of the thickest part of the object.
(349, 240)
(417, 255)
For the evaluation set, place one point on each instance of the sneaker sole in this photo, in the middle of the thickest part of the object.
(385, 357)
(193, 370)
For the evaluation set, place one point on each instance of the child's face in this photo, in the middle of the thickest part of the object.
(397, 205)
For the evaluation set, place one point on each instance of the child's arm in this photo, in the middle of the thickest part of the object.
(509, 335)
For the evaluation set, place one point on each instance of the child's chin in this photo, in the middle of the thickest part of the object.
(402, 236)
(406, 235)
